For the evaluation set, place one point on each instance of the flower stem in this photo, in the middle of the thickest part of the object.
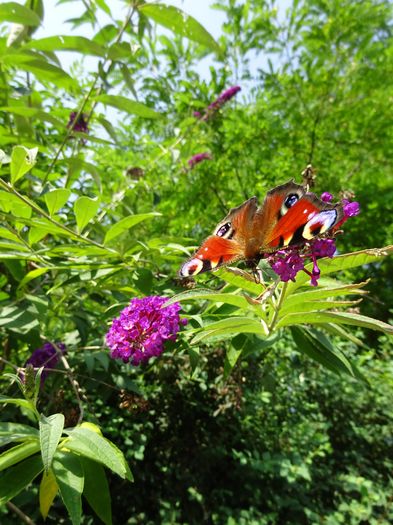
(278, 307)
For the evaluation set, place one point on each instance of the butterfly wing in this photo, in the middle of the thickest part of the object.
(227, 244)
(296, 217)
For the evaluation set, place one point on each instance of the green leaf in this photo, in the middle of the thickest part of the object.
(33, 274)
(69, 477)
(51, 429)
(18, 453)
(22, 160)
(180, 23)
(341, 262)
(96, 490)
(19, 14)
(313, 306)
(19, 319)
(23, 403)
(335, 317)
(85, 209)
(56, 199)
(318, 347)
(48, 491)
(127, 223)
(30, 112)
(233, 325)
(43, 70)
(201, 293)
(127, 105)
(16, 478)
(240, 279)
(10, 432)
(79, 44)
(96, 447)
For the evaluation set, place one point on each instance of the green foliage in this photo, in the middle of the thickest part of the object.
(240, 420)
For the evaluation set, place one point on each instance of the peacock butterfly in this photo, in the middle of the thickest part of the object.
(288, 216)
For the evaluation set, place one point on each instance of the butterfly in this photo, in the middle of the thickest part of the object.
(288, 216)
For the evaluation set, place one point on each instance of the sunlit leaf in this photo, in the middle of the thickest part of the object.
(56, 199)
(51, 429)
(85, 209)
(127, 105)
(79, 44)
(22, 160)
(180, 23)
(19, 453)
(14, 12)
(69, 477)
(47, 493)
(127, 223)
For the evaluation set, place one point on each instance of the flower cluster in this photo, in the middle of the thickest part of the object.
(218, 103)
(80, 125)
(142, 328)
(286, 263)
(199, 157)
(46, 356)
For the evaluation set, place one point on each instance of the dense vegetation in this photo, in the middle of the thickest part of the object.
(273, 415)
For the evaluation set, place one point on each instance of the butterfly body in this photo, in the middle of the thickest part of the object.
(288, 216)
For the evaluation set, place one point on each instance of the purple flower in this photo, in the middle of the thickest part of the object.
(46, 356)
(326, 196)
(142, 328)
(286, 264)
(199, 157)
(228, 94)
(80, 124)
(351, 209)
(218, 103)
(323, 247)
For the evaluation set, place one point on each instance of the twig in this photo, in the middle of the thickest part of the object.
(16, 510)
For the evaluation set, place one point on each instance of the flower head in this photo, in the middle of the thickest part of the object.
(80, 125)
(351, 209)
(218, 103)
(199, 157)
(46, 356)
(326, 196)
(142, 328)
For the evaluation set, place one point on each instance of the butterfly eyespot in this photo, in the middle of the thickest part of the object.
(225, 230)
(291, 200)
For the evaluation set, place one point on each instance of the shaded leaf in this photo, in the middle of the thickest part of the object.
(16, 478)
(96, 490)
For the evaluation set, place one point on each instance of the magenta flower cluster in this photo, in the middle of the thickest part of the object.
(46, 356)
(286, 263)
(199, 157)
(142, 328)
(218, 103)
(80, 125)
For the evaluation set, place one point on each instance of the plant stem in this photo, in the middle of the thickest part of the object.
(278, 307)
